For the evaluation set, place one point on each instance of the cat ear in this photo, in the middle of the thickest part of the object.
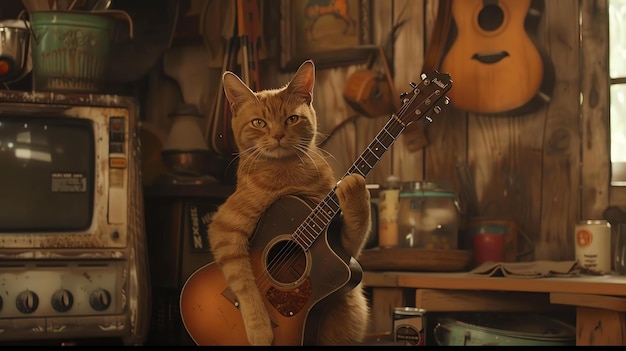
(236, 91)
(303, 81)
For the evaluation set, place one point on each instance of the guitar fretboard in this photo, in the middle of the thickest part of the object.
(326, 210)
(412, 110)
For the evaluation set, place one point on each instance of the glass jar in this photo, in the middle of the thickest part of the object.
(388, 207)
(428, 217)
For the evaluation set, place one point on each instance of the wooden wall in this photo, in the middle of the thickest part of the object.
(546, 170)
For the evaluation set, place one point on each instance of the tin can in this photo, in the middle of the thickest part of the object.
(593, 245)
(408, 326)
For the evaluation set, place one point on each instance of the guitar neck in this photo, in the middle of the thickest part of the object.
(326, 210)
(424, 99)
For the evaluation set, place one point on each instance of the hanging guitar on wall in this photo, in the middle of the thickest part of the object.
(492, 53)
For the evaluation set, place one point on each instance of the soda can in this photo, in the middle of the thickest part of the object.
(409, 324)
(593, 245)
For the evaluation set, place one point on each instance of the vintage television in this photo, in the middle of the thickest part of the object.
(73, 260)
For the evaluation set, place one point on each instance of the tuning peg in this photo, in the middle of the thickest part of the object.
(437, 109)
(413, 85)
(430, 120)
(446, 100)
(423, 76)
(403, 95)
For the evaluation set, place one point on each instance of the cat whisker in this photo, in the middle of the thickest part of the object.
(324, 155)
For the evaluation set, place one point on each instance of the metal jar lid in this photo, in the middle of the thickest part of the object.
(427, 188)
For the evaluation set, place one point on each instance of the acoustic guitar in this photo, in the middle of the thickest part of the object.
(496, 65)
(298, 267)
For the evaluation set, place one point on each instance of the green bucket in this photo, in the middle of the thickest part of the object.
(70, 50)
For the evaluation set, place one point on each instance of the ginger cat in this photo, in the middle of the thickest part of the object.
(275, 131)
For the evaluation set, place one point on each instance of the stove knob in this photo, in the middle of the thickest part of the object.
(27, 302)
(62, 300)
(100, 299)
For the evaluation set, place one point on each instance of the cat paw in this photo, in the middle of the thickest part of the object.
(352, 193)
(260, 335)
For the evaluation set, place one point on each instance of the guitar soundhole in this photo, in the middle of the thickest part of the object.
(286, 262)
(490, 17)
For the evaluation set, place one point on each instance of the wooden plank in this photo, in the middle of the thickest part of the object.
(383, 301)
(481, 301)
(407, 63)
(606, 302)
(380, 279)
(600, 285)
(595, 128)
(560, 174)
(447, 134)
(595, 326)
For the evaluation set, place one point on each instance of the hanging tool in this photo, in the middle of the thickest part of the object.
(249, 30)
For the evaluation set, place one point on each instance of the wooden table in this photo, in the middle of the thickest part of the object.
(600, 301)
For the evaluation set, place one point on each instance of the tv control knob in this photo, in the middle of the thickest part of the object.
(27, 302)
(100, 299)
(62, 300)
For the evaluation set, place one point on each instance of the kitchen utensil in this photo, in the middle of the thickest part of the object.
(15, 59)
(504, 330)
(64, 62)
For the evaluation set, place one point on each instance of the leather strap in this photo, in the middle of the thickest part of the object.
(438, 37)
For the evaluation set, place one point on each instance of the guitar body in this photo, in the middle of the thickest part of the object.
(495, 64)
(296, 284)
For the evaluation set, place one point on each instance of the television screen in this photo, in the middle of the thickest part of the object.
(47, 175)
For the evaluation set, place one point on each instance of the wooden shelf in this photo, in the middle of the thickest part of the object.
(597, 285)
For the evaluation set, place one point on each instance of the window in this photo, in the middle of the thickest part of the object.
(617, 74)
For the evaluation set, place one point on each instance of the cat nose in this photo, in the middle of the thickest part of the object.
(279, 136)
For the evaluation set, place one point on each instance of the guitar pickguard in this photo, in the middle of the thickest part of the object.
(288, 303)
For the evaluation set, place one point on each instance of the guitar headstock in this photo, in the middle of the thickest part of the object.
(426, 97)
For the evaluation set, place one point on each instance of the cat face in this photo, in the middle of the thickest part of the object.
(273, 123)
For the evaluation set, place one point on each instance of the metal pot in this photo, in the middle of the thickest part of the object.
(15, 60)
(503, 330)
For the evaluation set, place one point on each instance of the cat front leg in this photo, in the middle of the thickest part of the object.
(229, 240)
(354, 201)
(255, 318)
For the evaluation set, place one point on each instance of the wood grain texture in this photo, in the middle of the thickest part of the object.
(586, 300)
(415, 260)
(599, 285)
(481, 301)
(595, 127)
(407, 62)
(383, 302)
(596, 326)
(560, 173)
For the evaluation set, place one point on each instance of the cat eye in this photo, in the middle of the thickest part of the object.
(258, 123)
(292, 119)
